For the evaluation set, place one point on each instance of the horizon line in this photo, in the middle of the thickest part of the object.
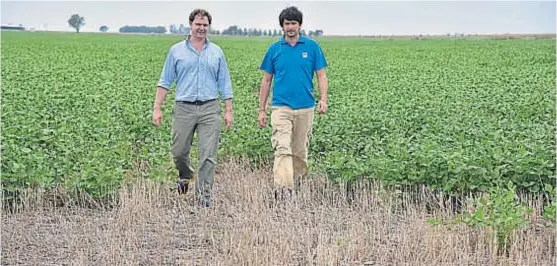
(324, 35)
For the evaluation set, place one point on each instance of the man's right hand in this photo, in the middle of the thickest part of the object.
(262, 119)
(157, 116)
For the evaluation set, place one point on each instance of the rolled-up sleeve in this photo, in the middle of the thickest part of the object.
(168, 72)
(320, 60)
(224, 80)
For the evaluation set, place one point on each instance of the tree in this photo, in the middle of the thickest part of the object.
(76, 21)
(185, 29)
(103, 28)
(180, 29)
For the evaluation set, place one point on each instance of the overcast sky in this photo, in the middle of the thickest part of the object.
(333, 17)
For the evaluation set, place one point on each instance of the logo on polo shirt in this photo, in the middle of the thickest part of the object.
(304, 54)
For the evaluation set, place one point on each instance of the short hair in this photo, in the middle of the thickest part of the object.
(290, 13)
(200, 12)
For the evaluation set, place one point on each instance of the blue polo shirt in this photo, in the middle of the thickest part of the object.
(293, 68)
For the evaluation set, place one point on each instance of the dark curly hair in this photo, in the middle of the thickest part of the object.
(290, 13)
(202, 13)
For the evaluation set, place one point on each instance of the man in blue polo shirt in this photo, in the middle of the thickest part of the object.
(292, 62)
(201, 73)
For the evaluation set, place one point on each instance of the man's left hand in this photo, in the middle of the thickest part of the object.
(322, 108)
(228, 119)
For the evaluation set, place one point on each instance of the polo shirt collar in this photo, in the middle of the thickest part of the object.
(302, 39)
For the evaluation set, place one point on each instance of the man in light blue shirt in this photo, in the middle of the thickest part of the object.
(201, 73)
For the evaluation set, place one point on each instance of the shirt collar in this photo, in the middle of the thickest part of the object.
(302, 39)
(207, 41)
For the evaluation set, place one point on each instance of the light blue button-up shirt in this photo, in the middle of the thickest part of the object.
(199, 76)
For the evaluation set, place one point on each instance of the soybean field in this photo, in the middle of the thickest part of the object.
(456, 115)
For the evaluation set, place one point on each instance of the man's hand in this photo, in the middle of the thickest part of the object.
(263, 95)
(228, 119)
(228, 113)
(157, 116)
(159, 100)
(262, 119)
(323, 86)
(322, 108)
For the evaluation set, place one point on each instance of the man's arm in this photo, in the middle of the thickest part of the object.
(323, 86)
(268, 68)
(165, 82)
(264, 91)
(160, 97)
(228, 105)
(322, 82)
(224, 81)
(166, 79)
(157, 106)
(263, 96)
(225, 87)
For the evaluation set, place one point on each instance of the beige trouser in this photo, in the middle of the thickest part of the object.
(290, 139)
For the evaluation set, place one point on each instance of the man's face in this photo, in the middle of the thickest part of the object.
(291, 28)
(199, 26)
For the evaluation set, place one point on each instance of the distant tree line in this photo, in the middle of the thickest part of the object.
(143, 29)
(8, 27)
(231, 30)
(236, 30)
(179, 29)
(76, 21)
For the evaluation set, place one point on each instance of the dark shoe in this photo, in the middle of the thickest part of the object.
(204, 203)
(183, 186)
(283, 194)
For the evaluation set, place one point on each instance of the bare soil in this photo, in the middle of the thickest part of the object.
(149, 224)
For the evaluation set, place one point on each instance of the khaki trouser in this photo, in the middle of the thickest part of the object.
(291, 130)
(205, 119)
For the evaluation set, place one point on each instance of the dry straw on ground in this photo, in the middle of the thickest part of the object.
(150, 224)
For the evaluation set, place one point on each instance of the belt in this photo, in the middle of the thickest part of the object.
(197, 102)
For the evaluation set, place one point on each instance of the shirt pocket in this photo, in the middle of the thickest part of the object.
(213, 64)
(306, 61)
